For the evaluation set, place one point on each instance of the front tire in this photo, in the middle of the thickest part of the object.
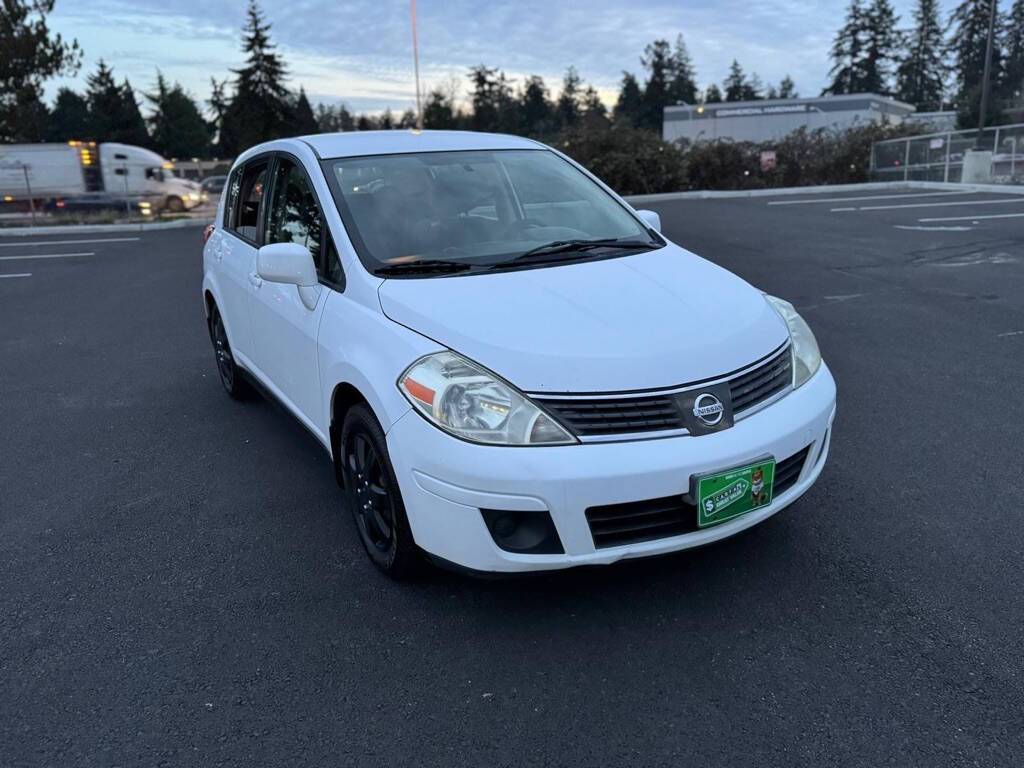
(175, 204)
(372, 493)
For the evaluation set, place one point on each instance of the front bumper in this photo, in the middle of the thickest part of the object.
(446, 481)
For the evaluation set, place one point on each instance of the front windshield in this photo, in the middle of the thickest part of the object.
(475, 208)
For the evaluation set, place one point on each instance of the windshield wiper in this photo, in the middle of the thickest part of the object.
(430, 266)
(569, 246)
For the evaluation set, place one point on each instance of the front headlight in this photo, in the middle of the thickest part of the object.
(806, 355)
(468, 401)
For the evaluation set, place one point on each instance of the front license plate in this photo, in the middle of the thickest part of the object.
(728, 494)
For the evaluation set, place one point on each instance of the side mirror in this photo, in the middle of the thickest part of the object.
(651, 219)
(286, 263)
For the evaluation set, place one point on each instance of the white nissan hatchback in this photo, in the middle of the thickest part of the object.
(510, 368)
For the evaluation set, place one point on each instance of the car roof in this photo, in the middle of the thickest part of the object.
(357, 143)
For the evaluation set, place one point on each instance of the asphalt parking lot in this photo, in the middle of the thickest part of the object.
(179, 584)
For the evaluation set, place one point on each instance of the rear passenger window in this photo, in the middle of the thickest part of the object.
(246, 210)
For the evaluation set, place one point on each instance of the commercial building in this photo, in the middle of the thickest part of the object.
(771, 119)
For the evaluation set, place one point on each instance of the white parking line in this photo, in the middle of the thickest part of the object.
(976, 218)
(17, 274)
(70, 242)
(47, 256)
(864, 197)
(1019, 201)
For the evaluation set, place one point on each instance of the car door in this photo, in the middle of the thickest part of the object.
(236, 259)
(284, 328)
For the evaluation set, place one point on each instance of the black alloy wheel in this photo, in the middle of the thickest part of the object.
(373, 494)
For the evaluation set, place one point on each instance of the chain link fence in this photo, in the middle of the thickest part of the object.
(940, 156)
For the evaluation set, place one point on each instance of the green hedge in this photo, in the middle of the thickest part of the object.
(633, 161)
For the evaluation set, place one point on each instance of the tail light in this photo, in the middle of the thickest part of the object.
(207, 231)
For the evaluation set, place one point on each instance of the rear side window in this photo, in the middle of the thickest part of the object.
(246, 200)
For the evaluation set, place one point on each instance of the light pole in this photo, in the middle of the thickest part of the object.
(416, 63)
(988, 68)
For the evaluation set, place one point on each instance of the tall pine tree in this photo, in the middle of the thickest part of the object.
(1011, 86)
(69, 118)
(920, 77)
(178, 128)
(303, 121)
(881, 48)
(567, 108)
(630, 104)
(657, 59)
(969, 32)
(682, 85)
(848, 51)
(736, 86)
(113, 111)
(259, 109)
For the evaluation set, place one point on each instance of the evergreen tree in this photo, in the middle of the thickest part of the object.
(217, 104)
(29, 55)
(657, 61)
(1011, 85)
(439, 111)
(921, 72)
(303, 122)
(130, 128)
(113, 111)
(753, 89)
(69, 118)
(629, 106)
(682, 85)
(177, 126)
(387, 120)
(881, 48)
(847, 52)
(969, 33)
(259, 109)
(595, 114)
(567, 108)
(493, 103)
(736, 86)
(713, 95)
(535, 107)
(787, 88)
(408, 119)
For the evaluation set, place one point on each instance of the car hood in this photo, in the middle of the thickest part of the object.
(656, 319)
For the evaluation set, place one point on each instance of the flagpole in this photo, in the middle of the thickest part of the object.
(416, 61)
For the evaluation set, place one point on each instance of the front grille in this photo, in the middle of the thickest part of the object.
(617, 416)
(763, 382)
(614, 525)
(787, 471)
(629, 414)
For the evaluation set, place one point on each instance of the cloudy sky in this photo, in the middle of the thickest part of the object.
(359, 52)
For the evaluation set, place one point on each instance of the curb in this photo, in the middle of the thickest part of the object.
(83, 229)
(712, 194)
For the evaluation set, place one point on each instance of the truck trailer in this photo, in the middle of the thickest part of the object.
(49, 175)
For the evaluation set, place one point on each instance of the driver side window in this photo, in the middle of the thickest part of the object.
(294, 214)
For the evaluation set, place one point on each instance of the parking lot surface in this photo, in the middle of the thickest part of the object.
(180, 585)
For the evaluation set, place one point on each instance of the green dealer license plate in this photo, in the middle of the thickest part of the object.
(728, 494)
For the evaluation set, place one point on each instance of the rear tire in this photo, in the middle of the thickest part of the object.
(372, 494)
(231, 376)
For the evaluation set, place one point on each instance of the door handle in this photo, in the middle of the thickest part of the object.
(255, 279)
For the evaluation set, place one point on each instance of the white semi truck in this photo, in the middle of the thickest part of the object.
(54, 174)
